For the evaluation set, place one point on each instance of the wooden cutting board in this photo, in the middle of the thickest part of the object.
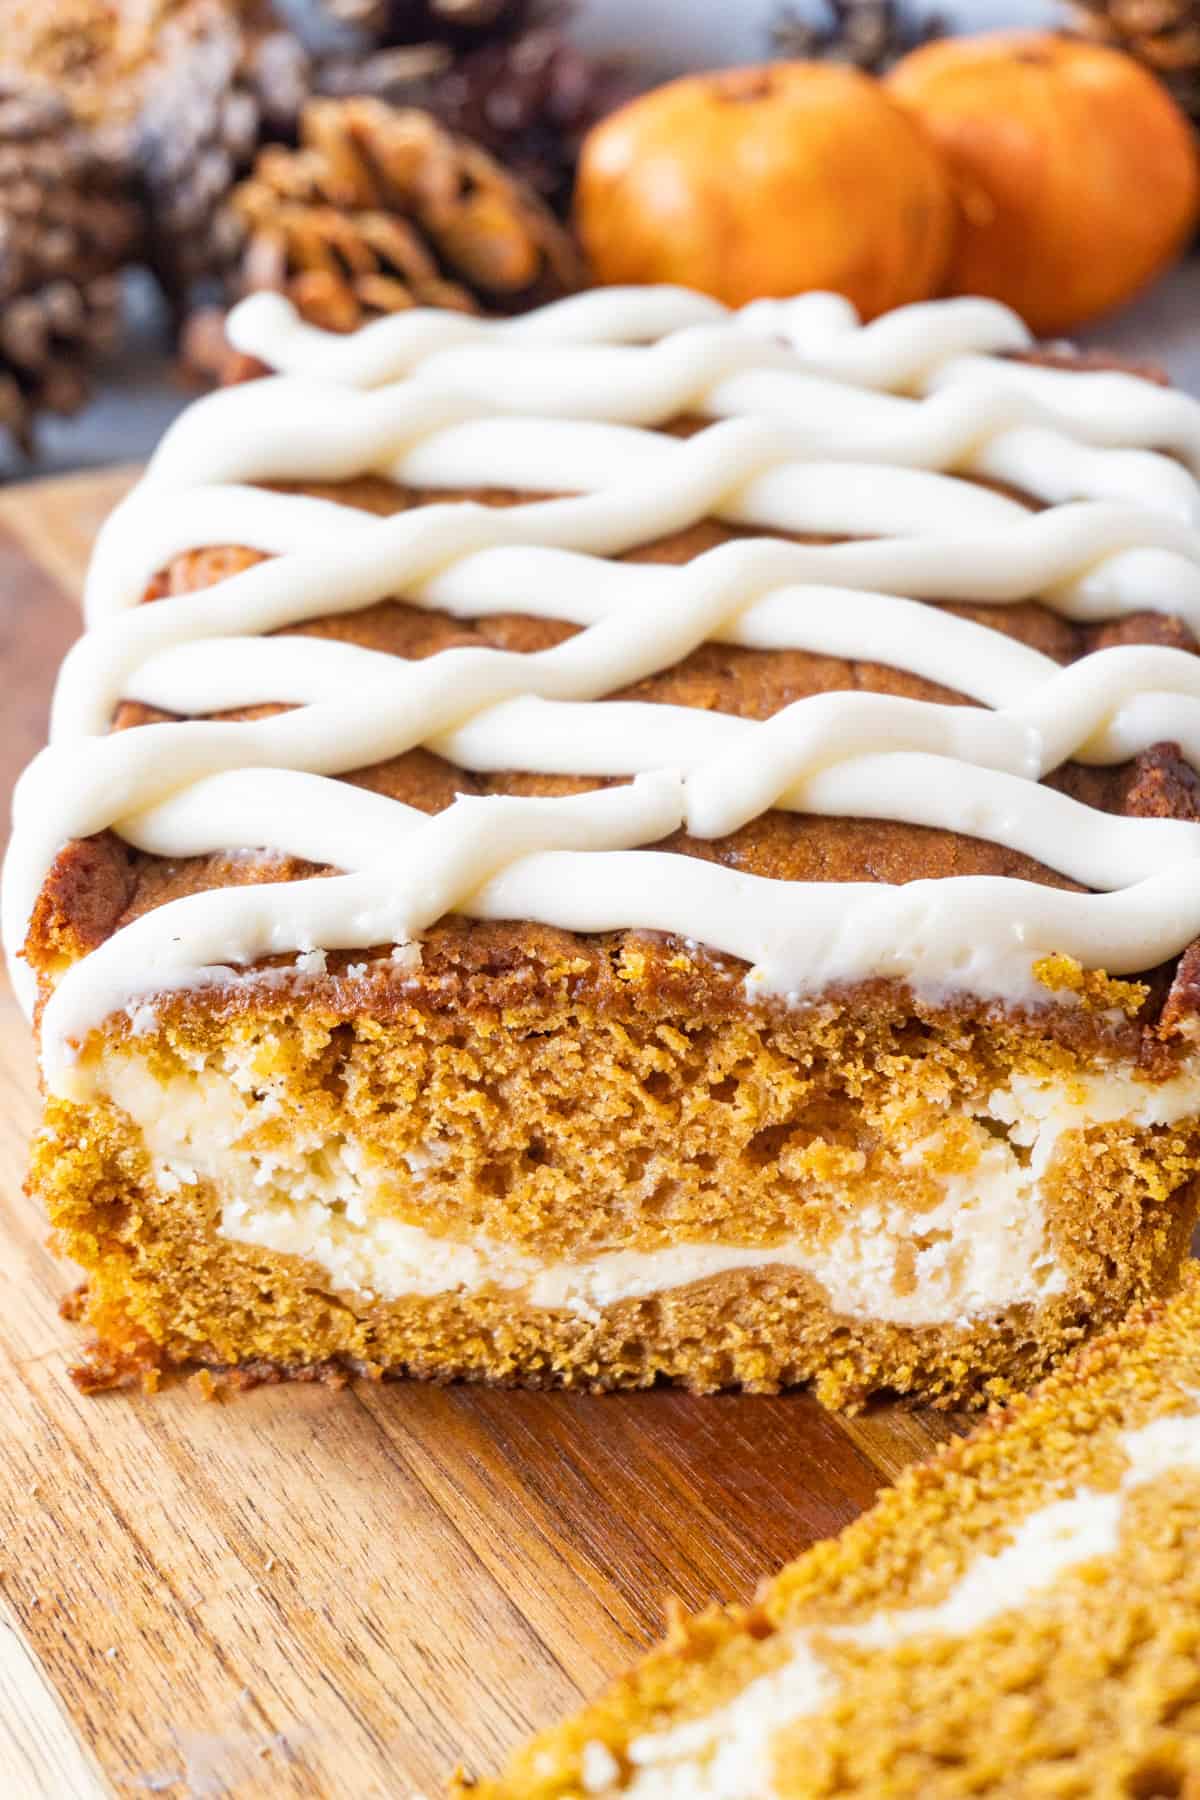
(344, 1593)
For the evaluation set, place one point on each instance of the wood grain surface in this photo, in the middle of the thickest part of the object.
(308, 1592)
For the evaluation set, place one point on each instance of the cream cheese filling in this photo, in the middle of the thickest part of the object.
(322, 1197)
(727, 1754)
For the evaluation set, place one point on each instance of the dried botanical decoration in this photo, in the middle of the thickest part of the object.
(379, 209)
(228, 80)
(871, 34)
(65, 228)
(513, 81)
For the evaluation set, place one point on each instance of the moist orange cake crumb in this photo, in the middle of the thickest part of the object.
(1019, 1616)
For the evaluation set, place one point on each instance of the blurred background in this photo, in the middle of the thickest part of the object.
(160, 157)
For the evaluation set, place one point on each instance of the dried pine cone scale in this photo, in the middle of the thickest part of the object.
(516, 85)
(228, 80)
(871, 34)
(411, 21)
(65, 228)
(100, 55)
(1164, 34)
(386, 208)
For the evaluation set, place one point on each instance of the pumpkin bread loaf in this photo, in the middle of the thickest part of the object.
(634, 842)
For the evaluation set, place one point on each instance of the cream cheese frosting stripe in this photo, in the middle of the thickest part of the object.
(979, 414)
(800, 478)
(1087, 561)
(424, 438)
(564, 357)
(894, 351)
(507, 858)
(851, 754)
(1087, 713)
(1095, 849)
(130, 654)
(183, 789)
(125, 774)
(728, 1753)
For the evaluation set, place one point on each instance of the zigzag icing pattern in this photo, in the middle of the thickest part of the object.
(428, 399)
(923, 387)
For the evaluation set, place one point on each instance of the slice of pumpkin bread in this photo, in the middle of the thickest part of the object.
(1018, 1616)
(635, 843)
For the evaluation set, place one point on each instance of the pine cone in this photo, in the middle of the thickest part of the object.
(418, 21)
(1164, 34)
(870, 34)
(531, 102)
(70, 46)
(65, 228)
(227, 81)
(381, 210)
(93, 53)
(520, 88)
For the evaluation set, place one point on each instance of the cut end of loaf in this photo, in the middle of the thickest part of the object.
(563, 1172)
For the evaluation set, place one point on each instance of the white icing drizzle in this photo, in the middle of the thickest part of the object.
(421, 435)
(800, 360)
(808, 379)
(727, 1754)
